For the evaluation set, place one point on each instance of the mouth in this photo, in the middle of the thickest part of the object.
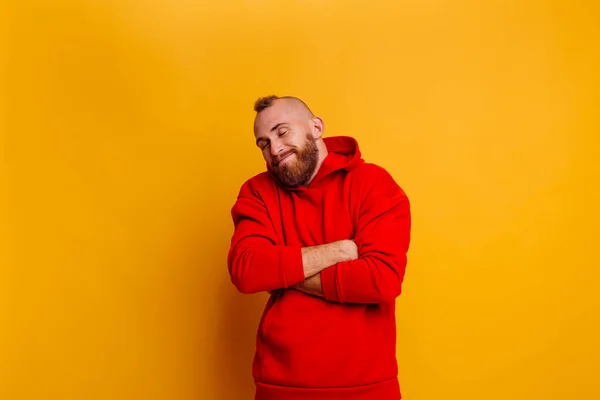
(282, 158)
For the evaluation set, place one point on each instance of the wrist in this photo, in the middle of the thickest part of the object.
(348, 250)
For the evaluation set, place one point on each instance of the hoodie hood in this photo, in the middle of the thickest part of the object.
(344, 153)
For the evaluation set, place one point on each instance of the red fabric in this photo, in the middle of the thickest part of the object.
(343, 345)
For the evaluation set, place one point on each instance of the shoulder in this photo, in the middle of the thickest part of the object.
(372, 170)
(373, 174)
(370, 179)
(256, 184)
(250, 201)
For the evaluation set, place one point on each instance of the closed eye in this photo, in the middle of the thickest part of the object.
(262, 143)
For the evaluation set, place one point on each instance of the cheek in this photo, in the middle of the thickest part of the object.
(266, 154)
(292, 143)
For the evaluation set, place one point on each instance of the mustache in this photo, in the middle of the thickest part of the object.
(282, 156)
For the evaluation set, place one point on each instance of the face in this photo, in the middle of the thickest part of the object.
(286, 136)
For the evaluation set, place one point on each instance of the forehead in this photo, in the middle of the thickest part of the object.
(280, 112)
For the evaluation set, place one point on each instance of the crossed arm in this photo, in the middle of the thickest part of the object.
(316, 258)
(368, 269)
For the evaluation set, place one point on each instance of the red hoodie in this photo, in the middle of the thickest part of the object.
(342, 346)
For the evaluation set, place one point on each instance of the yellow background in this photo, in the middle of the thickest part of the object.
(127, 131)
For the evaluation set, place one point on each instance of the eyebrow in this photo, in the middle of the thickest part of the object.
(278, 125)
(272, 129)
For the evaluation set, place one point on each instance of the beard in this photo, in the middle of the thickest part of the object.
(298, 172)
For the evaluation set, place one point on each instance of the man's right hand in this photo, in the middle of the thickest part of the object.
(351, 250)
(317, 258)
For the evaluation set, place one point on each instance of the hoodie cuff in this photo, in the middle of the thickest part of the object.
(328, 282)
(290, 263)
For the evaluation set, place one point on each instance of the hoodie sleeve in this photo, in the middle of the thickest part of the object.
(382, 237)
(256, 262)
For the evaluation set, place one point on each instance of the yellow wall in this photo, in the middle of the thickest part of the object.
(118, 116)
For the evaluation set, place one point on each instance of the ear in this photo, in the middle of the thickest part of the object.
(317, 127)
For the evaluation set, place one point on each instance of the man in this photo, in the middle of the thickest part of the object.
(325, 233)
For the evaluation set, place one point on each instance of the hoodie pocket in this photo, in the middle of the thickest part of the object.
(310, 342)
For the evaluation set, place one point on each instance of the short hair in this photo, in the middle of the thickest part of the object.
(267, 101)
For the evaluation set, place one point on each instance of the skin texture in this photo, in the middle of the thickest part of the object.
(290, 138)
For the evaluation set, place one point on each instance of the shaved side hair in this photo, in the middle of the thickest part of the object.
(267, 101)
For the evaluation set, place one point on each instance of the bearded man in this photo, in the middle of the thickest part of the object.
(326, 234)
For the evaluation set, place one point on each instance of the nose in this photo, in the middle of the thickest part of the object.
(276, 148)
